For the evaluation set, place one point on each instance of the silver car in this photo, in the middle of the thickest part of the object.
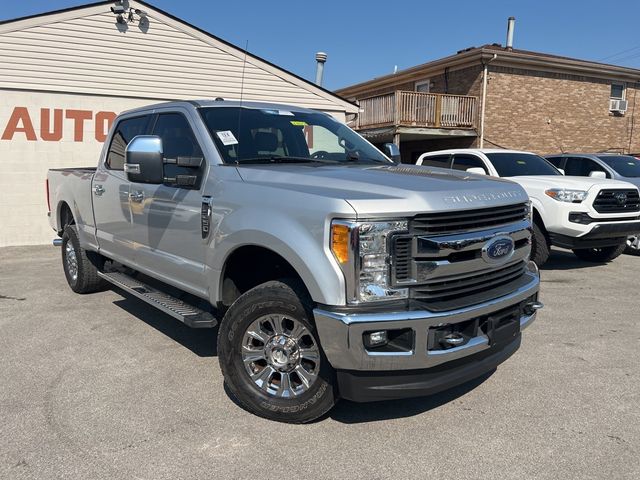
(603, 165)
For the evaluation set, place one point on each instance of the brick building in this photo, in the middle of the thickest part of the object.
(532, 101)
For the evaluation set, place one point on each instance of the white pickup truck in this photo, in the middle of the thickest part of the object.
(591, 216)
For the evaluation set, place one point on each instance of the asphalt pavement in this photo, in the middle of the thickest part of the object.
(103, 386)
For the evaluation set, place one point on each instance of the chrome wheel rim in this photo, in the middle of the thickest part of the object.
(281, 356)
(633, 243)
(72, 261)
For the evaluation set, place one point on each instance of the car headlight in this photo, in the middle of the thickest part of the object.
(565, 195)
(362, 250)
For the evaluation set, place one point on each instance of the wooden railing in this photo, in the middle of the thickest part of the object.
(416, 109)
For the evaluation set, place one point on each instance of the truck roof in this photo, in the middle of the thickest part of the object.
(220, 103)
(477, 150)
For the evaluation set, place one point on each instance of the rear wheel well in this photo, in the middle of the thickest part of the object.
(65, 217)
(250, 266)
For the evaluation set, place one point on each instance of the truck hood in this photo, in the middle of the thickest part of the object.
(543, 182)
(393, 190)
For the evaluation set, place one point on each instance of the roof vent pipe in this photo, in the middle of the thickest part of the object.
(511, 23)
(321, 57)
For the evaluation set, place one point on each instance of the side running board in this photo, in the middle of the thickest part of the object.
(192, 316)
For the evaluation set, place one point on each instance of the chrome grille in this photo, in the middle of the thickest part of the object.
(459, 221)
(447, 288)
(440, 260)
(617, 201)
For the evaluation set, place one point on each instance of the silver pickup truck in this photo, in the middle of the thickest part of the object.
(330, 271)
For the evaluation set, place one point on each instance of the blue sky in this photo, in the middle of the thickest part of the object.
(366, 39)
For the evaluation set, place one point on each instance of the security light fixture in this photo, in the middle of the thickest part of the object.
(125, 15)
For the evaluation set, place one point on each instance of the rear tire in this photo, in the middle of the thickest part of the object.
(633, 246)
(540, 247)
(270, 355)
(600, 255)
(80, 266)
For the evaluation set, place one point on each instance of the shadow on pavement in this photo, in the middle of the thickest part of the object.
(351, 412)
(201, 341)
(566, 260)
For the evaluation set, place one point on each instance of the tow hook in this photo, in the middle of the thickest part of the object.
(453, 339)
(532, 307)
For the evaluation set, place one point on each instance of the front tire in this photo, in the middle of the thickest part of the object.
(600, 255)
(540, 247)
(633, 245)
(80, 266)
(270, 355)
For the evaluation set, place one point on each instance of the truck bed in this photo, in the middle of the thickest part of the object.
(70, 187)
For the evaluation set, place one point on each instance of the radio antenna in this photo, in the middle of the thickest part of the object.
(244, 65)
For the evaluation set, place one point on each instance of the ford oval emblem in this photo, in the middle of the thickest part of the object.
(498, 250)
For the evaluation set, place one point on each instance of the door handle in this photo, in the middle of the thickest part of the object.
(98, 190)
(137, 197)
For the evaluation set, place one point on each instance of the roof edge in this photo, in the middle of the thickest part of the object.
(518, 59)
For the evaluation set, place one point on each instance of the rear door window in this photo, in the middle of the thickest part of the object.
(463, 161)
(124, 132)
(582, 167)
(442, 161)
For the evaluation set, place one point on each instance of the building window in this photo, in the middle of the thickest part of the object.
(617, 103)
(617, 91)
(423, 86)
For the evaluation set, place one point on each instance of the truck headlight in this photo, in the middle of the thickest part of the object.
(565, 195)
(362, 250)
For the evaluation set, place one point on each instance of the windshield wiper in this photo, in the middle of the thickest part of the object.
(282, 159)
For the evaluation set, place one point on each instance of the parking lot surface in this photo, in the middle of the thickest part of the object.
(103, 386)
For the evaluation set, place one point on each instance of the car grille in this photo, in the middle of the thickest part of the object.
(448, 288)
(617, 201)
(460, 221)
(444, 268)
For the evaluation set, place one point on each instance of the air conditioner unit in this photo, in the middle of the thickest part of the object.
(617, 105)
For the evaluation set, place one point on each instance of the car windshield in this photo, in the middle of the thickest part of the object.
(518, 164)
(625, 165)
(252, 135)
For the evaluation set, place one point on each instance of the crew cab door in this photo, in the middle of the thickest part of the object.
(167, 218)
(110, 193)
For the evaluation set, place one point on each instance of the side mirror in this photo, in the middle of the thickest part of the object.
(392, 151)
(561, 171)
(477, 170)
(144, 162)
(595, 174)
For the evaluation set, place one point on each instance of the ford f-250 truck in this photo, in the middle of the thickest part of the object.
(330, 270)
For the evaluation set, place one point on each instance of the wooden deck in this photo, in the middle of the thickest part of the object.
(416, 109)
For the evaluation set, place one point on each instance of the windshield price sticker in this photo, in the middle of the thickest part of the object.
(227, 138)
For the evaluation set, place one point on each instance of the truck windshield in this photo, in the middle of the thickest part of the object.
(625, 165)
(518, 164)
(283, 136)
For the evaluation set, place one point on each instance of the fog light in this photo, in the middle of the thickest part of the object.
(375, 339)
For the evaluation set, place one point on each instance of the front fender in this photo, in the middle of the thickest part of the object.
(539, 207)
(306, 249)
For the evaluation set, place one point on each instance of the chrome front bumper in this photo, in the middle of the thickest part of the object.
(341, 334)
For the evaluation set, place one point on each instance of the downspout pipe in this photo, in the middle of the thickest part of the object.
(484, 96)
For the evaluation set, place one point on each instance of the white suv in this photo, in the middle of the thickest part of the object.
(591, 216)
